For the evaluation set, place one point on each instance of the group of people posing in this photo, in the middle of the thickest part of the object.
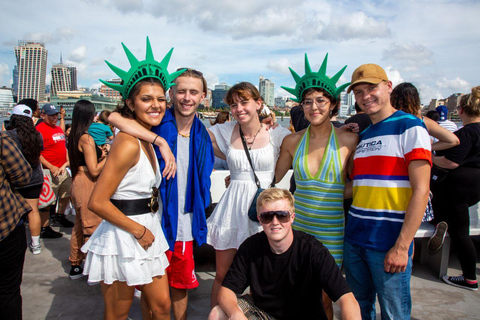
(140, 209)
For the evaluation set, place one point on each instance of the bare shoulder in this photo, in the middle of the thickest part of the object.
(295, 137)
(86, 139)
(124, 146)
(346, 138)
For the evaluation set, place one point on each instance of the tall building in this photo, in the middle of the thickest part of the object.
(267, 91)
(15, 80)
(109, 92)
(207, 101)
(32, 69)
(453, 101)
(6, 98)
(61, 79)
(73, 78)
(218, 94)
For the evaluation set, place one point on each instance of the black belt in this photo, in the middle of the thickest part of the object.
(133, 207)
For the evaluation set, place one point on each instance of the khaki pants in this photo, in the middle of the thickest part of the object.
(85, 220)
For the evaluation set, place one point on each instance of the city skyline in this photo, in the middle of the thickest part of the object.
(434, 45)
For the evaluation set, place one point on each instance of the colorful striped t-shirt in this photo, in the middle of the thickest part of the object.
(381, 186)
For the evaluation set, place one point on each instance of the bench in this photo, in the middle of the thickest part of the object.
(438, 261)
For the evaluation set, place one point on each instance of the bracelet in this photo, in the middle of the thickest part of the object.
(155, 139)
(144, 230)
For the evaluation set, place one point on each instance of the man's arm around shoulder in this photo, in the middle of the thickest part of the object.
(228, 307)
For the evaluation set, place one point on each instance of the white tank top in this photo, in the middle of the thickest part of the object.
(139, 180)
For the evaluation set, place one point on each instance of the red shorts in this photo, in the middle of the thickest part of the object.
(181, 271)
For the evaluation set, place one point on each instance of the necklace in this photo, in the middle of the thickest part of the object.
(184, 135)
(249, 144)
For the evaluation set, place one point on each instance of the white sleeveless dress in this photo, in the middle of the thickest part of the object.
(114, 254)
(229, 224)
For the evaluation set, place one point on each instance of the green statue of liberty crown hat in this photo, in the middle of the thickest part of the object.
(148, 68)
(316, 80)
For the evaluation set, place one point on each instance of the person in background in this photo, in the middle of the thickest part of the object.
(433, 114)
(460, 189)
(405, 97)
(222, 117)
(360, 118)
(68, 127)
(444, 122)
(29, 141)
(86, 163)
(99, 130)
(287, 271)
(54, 158)
(14, 169)
(33, 104)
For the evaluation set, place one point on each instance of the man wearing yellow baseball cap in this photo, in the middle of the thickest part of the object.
(391, 184)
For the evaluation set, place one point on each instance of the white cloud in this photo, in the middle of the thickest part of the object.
(394, 75)
(128, 6)
(212, 80)
(453, 85)
(410, 56)
(96, 86)
(280, 65)
(79, 54)
(55, 37)
(356, 25)
(427, 93)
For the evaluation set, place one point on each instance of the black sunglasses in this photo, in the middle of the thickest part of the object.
(198, 73)
(154, 200)
(267, 216)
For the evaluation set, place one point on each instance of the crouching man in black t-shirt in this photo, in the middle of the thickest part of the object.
(285, 269)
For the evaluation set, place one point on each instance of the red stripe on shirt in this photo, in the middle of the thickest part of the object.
(380, 165)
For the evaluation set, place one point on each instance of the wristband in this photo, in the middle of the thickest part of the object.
(155, 139)
(144, 230)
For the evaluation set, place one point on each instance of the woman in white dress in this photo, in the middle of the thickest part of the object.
(128, 247)
(229, 224)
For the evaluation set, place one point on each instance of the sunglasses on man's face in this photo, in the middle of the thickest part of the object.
(267, 216)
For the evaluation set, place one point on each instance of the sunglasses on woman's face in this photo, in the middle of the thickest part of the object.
(154, 200)
(266, 217)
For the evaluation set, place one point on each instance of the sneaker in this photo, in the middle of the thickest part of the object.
(436, 241)
(36, 249)
(460, 282)
(49, 233)
(61, 221)
(76, 272)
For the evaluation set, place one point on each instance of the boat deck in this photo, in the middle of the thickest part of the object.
(48, 292)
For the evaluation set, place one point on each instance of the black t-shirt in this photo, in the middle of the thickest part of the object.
(288, 285)
(362, 119)
(467, 153)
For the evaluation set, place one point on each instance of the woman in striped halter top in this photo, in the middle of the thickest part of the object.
(320, 156)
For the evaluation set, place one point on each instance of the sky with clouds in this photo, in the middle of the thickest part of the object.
(433, 44)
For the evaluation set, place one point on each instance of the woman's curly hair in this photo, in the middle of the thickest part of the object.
(29, 137)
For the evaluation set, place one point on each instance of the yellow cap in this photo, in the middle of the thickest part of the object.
(367, 73)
